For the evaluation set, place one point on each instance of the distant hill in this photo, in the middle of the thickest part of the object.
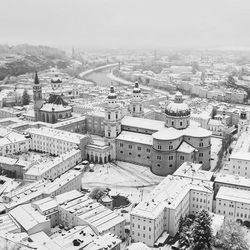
(21, 59)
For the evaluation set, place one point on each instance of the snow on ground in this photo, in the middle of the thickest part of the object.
(216, 144)
(123, 178)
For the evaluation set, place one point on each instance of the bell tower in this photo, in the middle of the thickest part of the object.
(136, 106)
(37, 96)
(112, 121)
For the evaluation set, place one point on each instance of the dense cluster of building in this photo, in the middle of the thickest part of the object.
(186, 192)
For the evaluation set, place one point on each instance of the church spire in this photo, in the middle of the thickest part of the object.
(36, 79)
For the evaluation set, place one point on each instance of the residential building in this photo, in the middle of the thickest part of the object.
(235, 203)
(55, 167)
(85, 211)
(160, 212)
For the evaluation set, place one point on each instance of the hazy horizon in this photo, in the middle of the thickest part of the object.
(127, 24)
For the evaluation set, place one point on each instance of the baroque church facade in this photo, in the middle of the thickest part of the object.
(55, 109)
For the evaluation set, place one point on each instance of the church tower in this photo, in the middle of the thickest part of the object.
(136, 106)
(243, 122)
(37, 96)
(112, 121)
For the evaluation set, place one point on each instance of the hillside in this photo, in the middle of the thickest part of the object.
(21, 59)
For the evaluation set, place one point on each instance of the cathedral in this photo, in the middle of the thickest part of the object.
(55, 109)
(161, 145)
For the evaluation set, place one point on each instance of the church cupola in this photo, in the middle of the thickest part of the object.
(177, 113)
(136, 102)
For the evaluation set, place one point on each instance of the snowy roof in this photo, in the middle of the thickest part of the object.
(46, 204)
(172, 133)
(138, 246)
(142, 123)
(89, 240)
(233, 194)
(27, 216)
(49, 107)
(168, 194)
(234, 180)
(194, 171)
(242, 148)
(8, 224)
(42, 168)
(57, 134)
(93, 213)
(214, 122)
(135, 137)
(185, 148)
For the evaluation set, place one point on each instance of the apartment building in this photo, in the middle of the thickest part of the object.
(239, 160)
(12, 142)
(83, 210)
(174, 197)
(55, 141)
(37, 190)
(233, 181)
(234, 203)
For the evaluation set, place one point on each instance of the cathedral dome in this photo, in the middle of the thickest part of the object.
(177, 108)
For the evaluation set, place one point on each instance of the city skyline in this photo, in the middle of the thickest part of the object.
(127, 24)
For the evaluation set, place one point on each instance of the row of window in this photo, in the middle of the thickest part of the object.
(137, 155)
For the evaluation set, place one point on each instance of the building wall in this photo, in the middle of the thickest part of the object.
(240, 167)
(44, 226)
(133, 152)
(12, 170)
(50, 145)
(95, 125)
(166, 159)
(200, 200)
(144, 229)
(59, 167)
(237, 210)
(15, 147)
(138, 130)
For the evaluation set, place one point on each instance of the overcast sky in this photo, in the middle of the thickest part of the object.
(126, 23)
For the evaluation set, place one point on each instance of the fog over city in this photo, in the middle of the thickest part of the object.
(127, 24)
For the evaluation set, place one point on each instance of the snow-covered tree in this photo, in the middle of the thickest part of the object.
(185, 233)
(232, 236)
(201, 231)
(97, 193)
(25, 97)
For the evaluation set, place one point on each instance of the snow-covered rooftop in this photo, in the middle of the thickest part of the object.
(168, 194)
(93, 213)
(242, 148)
(185, 148)
(233, 194)
(57, 134)
(27, 216)
(194, 171)
(135, 137)
(172, 133)
(234, 180)
(142, 123)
